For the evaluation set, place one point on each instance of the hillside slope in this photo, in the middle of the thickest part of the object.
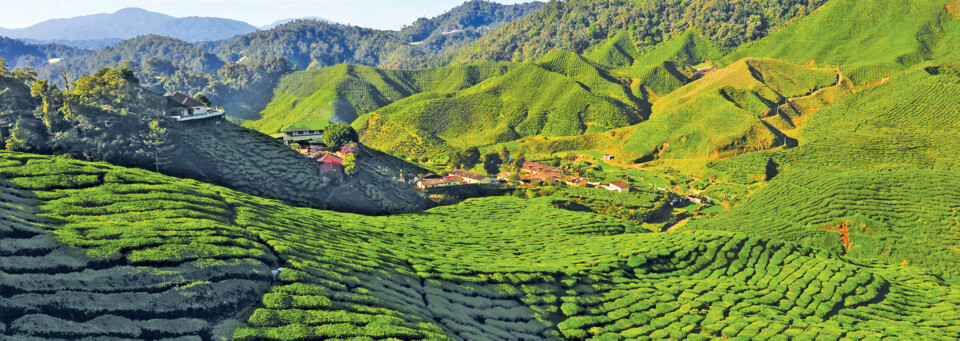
(886, 33)
(464, 24)
(879, 161)
(582, 25)
(186, 259)
(562, 94)
(245, 160)
(748, 106)
(344, 92)
(316, 44)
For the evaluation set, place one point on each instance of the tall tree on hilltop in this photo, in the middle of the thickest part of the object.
(338, 134)
(156, 144)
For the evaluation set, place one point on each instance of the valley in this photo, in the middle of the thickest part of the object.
(569, 170)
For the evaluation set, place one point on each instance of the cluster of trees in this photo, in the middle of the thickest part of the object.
(470, 21)
(246, 85)
(579, 25)
(107, 116)
(490, 162)
(310, 43)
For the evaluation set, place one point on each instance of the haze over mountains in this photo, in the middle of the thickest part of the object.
(128, 23)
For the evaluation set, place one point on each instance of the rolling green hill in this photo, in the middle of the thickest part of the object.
(689, 48)
(342, 93)
(98, 251)
(887, 33)
(880, 160)
(744, 107)
(245, 160)
(562, 94)
(722, 113)
(617, 51)
(585, 25)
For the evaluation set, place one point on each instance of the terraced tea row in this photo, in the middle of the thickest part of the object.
(190, 261)
(163, 259)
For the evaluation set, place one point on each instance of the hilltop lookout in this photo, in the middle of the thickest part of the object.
(185, 108)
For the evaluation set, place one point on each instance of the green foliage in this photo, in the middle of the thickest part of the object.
(350, 164)
(470, 157)
(617, 51)
(583, 25)
(561, 95)
(491, 163)
(546, 271)
(840, 33)
(341, 93)
(724, 112)
(339, 134)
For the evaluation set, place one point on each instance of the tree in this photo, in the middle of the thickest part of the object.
(504, 154)
(470, 157)
(203, 99)
(519, 161)
(491, 163)
(155, 144)
(3, 68)
(26, 136)
(455, 161)
(339, 134)
(557, 161)
(27, 75)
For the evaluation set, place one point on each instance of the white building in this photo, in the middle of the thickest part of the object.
(185, 108)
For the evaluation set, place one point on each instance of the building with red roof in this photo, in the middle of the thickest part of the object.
(330, 162)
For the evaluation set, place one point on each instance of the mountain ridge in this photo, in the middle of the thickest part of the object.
(128, 23)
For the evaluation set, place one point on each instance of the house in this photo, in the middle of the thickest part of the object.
(472, 178)
(304, 133)
(575, 181)
(185, 108)
(430, 183)
(330, 162)
(434, 182)
(608, 157)
(536, 168)
(698, 200)
(618, 186)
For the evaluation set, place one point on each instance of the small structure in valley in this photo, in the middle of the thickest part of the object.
(330, 162)
(472, 178)
(184, 108)
(618, 186)
(306, 133)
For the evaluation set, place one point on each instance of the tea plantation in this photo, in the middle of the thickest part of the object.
(96, 251)
(342, 93)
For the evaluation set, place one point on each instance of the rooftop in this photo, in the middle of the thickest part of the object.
(467, 175)
(620, 184)
(330, 158)
(305, 126)
(179, 99)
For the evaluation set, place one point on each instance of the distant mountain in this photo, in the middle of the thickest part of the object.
(92, 44)
(585, 25)
(128, 23)
(312, 43)
(464, 24)
(290, 20)
(19, 53)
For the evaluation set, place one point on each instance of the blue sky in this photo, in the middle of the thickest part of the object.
(382, 14)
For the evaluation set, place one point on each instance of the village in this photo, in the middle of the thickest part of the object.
(307, 138)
